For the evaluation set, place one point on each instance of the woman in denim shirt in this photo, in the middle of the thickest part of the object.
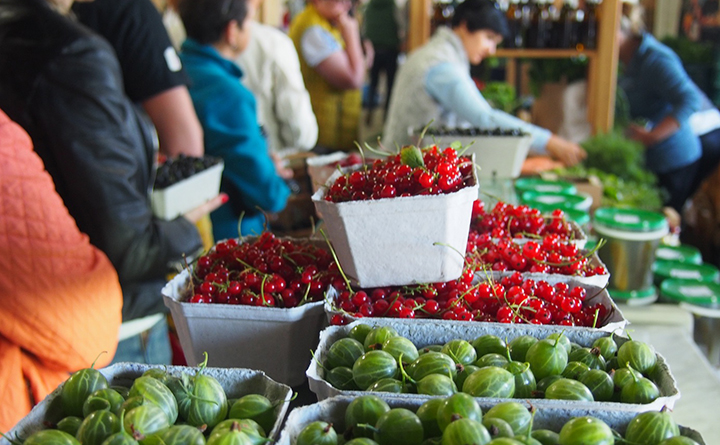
(661, 92)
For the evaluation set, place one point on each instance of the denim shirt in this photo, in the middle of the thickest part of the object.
(227, 111)
(657, 86)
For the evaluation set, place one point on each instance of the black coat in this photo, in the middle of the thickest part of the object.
(63, 85)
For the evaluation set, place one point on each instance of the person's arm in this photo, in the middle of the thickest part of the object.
(674, 86)
(342, 68)
(292, 107)
(450, 86)
(177, 125)
(106, 162)
(230, 120)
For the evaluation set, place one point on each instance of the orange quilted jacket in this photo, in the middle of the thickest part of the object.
(60, 300)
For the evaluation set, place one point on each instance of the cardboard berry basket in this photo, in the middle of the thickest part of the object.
(235, 382)
(274, 340)
(399, 241)
(614, 321)
(431, 332)
(498, 156)
(333, 411)
(185, 195)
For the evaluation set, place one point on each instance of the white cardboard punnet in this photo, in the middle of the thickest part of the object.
(183, 196)
(235, 382)
(429, 332)
(275, 340)
(399, 241)
(497, 156)
(333, 411)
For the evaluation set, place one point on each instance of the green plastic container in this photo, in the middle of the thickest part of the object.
(580, 217)
(542, 185)
(682, 253)
(635, 297)
(706, 273)
(691, 292)
(552, 200)
(631, 237)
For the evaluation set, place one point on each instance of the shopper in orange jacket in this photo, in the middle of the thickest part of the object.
(60, 299)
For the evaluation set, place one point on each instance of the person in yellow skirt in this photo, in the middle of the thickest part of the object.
(333, 66)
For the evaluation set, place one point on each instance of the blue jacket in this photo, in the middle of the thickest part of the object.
(657, 85)
(226, 110)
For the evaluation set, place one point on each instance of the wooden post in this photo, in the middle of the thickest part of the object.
(604, 68)
(270, 12)
(419, 23)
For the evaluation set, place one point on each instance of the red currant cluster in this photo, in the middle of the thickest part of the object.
(506, 220)
(267, 271)
(551, 255)
(414, 301)
(428, 172)
(512, 300)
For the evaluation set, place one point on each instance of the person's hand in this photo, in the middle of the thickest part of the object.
(640, 134)
(347, 25)
(282, 171)
(197, 213)
(569, 153)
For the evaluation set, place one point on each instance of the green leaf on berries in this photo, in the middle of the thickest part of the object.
(411, 156)
(456, 145)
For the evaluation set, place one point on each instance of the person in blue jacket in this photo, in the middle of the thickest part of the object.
(218, 31)
(680, 129)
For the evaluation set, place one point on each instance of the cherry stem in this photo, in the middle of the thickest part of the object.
(403, 373)
(96, 359)
(304, 298)
(424, 130)
(597, 314)
(450, 247)
(332, 252)
(312, 353)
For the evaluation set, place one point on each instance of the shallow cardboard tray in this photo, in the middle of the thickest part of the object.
(615, 321)
(428, 332)
(600, 281)
(274, 340)
(497, 156)
(183, 196)
(399, 241)
(333, 411)
(577, 236)
(235, 382)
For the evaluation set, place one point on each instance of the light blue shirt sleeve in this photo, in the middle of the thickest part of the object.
(454, 89)
(316, 45)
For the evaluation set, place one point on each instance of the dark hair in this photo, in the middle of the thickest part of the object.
(481, 14)
(205, 20)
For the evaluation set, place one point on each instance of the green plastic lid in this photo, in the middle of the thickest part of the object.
(579, 216)
(686, 271)
(630, 220)
(682, 253)
(543, 185)
(635, 297)
(552, 200)
(689, 291)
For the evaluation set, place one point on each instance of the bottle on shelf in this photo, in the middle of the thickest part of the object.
(591, 24)
(569, 26)
(540, 24)
(514, 15)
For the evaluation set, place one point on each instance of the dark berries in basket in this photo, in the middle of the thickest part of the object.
(182, 167)
(454, 131)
